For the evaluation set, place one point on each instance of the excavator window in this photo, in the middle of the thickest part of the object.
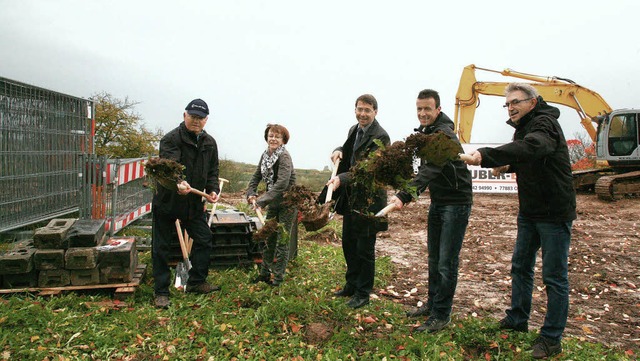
(623, 134)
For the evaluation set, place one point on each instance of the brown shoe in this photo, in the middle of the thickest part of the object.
(202, 288)
(162, 302)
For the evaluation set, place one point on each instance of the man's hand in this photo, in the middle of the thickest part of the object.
(336, 155)
(335, 181)
(395, 200)
(476, 158)
(499, 170)
(213, 197)
(184, 188)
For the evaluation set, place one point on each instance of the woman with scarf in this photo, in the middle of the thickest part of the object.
(276, 170)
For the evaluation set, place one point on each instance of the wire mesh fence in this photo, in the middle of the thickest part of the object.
(43, 136)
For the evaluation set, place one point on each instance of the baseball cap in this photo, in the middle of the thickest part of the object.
(198, 107)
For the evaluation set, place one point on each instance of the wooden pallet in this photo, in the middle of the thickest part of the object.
(122, 290)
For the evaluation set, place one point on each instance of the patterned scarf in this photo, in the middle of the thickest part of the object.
(266, 167)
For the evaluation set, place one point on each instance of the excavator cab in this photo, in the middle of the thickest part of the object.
(618, 138)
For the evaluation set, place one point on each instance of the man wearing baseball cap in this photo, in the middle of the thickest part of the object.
(190, 145)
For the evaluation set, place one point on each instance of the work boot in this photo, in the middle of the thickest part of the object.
(544, 347)
(505, 324)
(434, 324)
(344, 292)
(162, 302)
(202, 288)
(420, 311)
(262, 278)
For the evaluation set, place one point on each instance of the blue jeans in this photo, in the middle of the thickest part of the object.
(447, 225)
(554, 239)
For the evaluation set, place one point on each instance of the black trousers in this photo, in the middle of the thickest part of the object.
(359, 248)
(163, 234)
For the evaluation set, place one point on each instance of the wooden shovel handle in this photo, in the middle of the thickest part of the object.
(259, 213)
(194, 191)
(383, 212)
(333, 174)
(183, 245)
(215, 204)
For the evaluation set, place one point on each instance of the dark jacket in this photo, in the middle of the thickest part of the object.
(449, 184)
(346, 198)
(199, 155)
(284, 177)
(539, 156)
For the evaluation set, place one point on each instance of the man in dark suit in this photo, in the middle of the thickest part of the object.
(358, 229)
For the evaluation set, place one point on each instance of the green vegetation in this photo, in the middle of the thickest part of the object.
(239, 175)
(300, 320)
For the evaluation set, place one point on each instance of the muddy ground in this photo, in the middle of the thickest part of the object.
(604, 265)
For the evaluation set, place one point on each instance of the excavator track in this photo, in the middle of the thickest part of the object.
(614, 187)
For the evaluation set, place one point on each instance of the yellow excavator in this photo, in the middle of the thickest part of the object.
(616, 133)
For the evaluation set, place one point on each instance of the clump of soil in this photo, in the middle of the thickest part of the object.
(326, 235)
(316, 333)
(436, 148)
(393, 165)
(269, 228)
(313, 215)
(166, 172)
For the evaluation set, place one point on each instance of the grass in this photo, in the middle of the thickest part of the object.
(254, 322)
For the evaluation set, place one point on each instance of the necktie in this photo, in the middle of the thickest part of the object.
(359, 135)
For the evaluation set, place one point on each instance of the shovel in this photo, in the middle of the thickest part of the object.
(213, 208)
(258, 212)
(183, 267)
(383, 212)
(330, 186)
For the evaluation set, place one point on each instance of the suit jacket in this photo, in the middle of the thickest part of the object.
(346, 199)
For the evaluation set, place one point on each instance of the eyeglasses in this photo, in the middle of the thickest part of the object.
(195, 118)
(364, 110)
(515, 102)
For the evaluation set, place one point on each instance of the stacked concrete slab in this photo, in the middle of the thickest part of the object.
(69, 252)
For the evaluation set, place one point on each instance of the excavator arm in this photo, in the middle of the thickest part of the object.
(586, 102)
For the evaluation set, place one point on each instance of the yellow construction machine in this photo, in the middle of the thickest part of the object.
(616, 133)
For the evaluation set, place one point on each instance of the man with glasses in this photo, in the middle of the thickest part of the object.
(358, 229)
(539, 156)
(190, 145)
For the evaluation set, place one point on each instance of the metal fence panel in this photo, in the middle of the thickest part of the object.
(43, 136)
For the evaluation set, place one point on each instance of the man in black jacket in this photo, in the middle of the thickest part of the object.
(451, 199)
(539, 156)
(190, 145)
(358, 230)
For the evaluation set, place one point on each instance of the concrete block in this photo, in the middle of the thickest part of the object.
(83, 277)
(17, 261)
(116, 274)
(54, 278)
(54, 234)
(49, 259)
(81, 258)
(118, 251)
(86, 233)
(22, 280)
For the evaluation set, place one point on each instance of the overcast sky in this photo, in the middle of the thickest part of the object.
(302, 64)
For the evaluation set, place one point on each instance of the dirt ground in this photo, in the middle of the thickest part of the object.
(604, 265)
(604, 262)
